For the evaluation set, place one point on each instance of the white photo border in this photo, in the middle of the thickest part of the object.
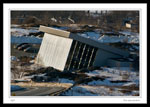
(74, 99)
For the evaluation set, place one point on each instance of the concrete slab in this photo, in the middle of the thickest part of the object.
(53, 31)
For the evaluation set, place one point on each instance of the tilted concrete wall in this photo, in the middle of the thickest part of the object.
(102, 57)
(54, 51)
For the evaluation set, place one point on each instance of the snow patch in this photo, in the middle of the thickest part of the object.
(71, 20)
(16, 88)
(110, 39)
(79, 91)
(63, 80)
(129, 84)
(105, 82)
(53, 19)
(13, 58)
(26, 39)
(23, 32)
(126, 33)
(84, 90)
(120, 76)
(20, 35)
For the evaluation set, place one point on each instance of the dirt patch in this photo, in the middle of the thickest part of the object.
(25, 59)
(132, 87)
(126, 91)
(41, 84)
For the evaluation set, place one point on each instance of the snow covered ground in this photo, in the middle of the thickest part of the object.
(117, 80)
(64, 80)
(19, 35)
(114, 74)
(122, 81)
(26, 39)
(110, 39)
(16, 88)
(106, 87)
(128, 33)
(86, 90)
(23, 32)
(13, 58)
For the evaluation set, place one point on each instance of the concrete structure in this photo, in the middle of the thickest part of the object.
(120, 63)
(66, 51)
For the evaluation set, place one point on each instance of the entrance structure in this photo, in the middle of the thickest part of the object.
(67, 51)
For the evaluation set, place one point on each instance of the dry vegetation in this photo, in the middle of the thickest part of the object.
(111, 20)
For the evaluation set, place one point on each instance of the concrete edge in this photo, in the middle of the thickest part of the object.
(54, 31)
